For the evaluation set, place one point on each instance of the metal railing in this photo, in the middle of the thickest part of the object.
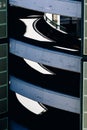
(55, 24)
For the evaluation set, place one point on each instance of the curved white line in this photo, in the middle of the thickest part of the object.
(38, 67)
(31, 105)
(64, 48)
(30, 32)
(32, 16)
(40, 32)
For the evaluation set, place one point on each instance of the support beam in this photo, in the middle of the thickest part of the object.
(67, 8)
(48, 97)
(48, 57)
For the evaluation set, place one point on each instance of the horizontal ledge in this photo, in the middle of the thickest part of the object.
(47, 97)
(68, 8)
(44, 56)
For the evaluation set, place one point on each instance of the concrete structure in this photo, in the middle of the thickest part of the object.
(68, 8)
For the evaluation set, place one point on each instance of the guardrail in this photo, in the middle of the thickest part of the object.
(55, 24)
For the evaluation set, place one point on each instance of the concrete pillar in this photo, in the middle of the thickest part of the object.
(56, 19)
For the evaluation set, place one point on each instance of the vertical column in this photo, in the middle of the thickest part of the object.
(84, 96)
(3, 78)
(84, 65)
(85, 28)
(3, 19)
(56, 19)
(3, 65)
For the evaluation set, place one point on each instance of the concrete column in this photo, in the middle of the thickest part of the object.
(56, 19)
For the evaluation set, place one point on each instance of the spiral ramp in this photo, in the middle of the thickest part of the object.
(59, 85)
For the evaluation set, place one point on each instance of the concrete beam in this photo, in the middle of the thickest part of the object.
(44, 56)
(48, 97)
(63, 7)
